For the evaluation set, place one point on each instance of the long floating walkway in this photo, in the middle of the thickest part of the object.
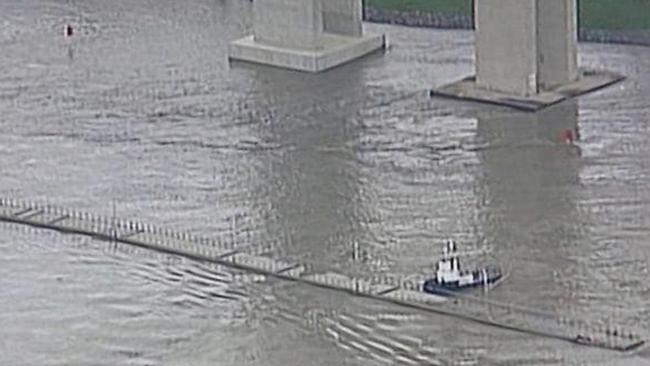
(405, 293)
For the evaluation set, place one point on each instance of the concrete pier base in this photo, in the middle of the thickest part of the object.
(305, 35)
(336, 50)
(469, 89)
(526, 56)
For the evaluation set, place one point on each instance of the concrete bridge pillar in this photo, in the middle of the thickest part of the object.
(526, 55)
(288, 23)
(538, 51)
(343, 17)
(306, 35)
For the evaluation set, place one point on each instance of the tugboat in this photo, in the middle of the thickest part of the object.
(450, 279)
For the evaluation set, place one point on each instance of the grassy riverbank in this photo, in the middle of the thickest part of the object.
(593, 14)
(442, 6)
(614, 14)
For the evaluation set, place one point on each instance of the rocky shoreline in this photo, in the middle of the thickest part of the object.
(417, 18)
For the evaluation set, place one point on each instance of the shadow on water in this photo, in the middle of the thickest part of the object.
(537, 209)
(310, 187)
(311, 196)
(528, 194)
(529, 208)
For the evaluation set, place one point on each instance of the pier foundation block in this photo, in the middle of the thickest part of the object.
(306, 35)
(526, 56)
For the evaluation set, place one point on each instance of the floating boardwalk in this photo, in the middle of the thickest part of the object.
(393, 290)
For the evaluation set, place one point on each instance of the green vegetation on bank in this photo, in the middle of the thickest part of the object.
(444, 6)
(593, 14)
(614, 14)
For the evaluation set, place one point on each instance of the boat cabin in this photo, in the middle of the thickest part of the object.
(450, 278)
(448, 269)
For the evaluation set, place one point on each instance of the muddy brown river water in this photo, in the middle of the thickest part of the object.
(141, 110)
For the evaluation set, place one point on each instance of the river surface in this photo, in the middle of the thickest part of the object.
(141, 113)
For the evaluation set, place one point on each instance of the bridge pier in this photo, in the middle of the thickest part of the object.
(305, 35)
(526, 55)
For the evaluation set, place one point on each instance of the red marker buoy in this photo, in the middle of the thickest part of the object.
(566, 136)
(69, 31)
